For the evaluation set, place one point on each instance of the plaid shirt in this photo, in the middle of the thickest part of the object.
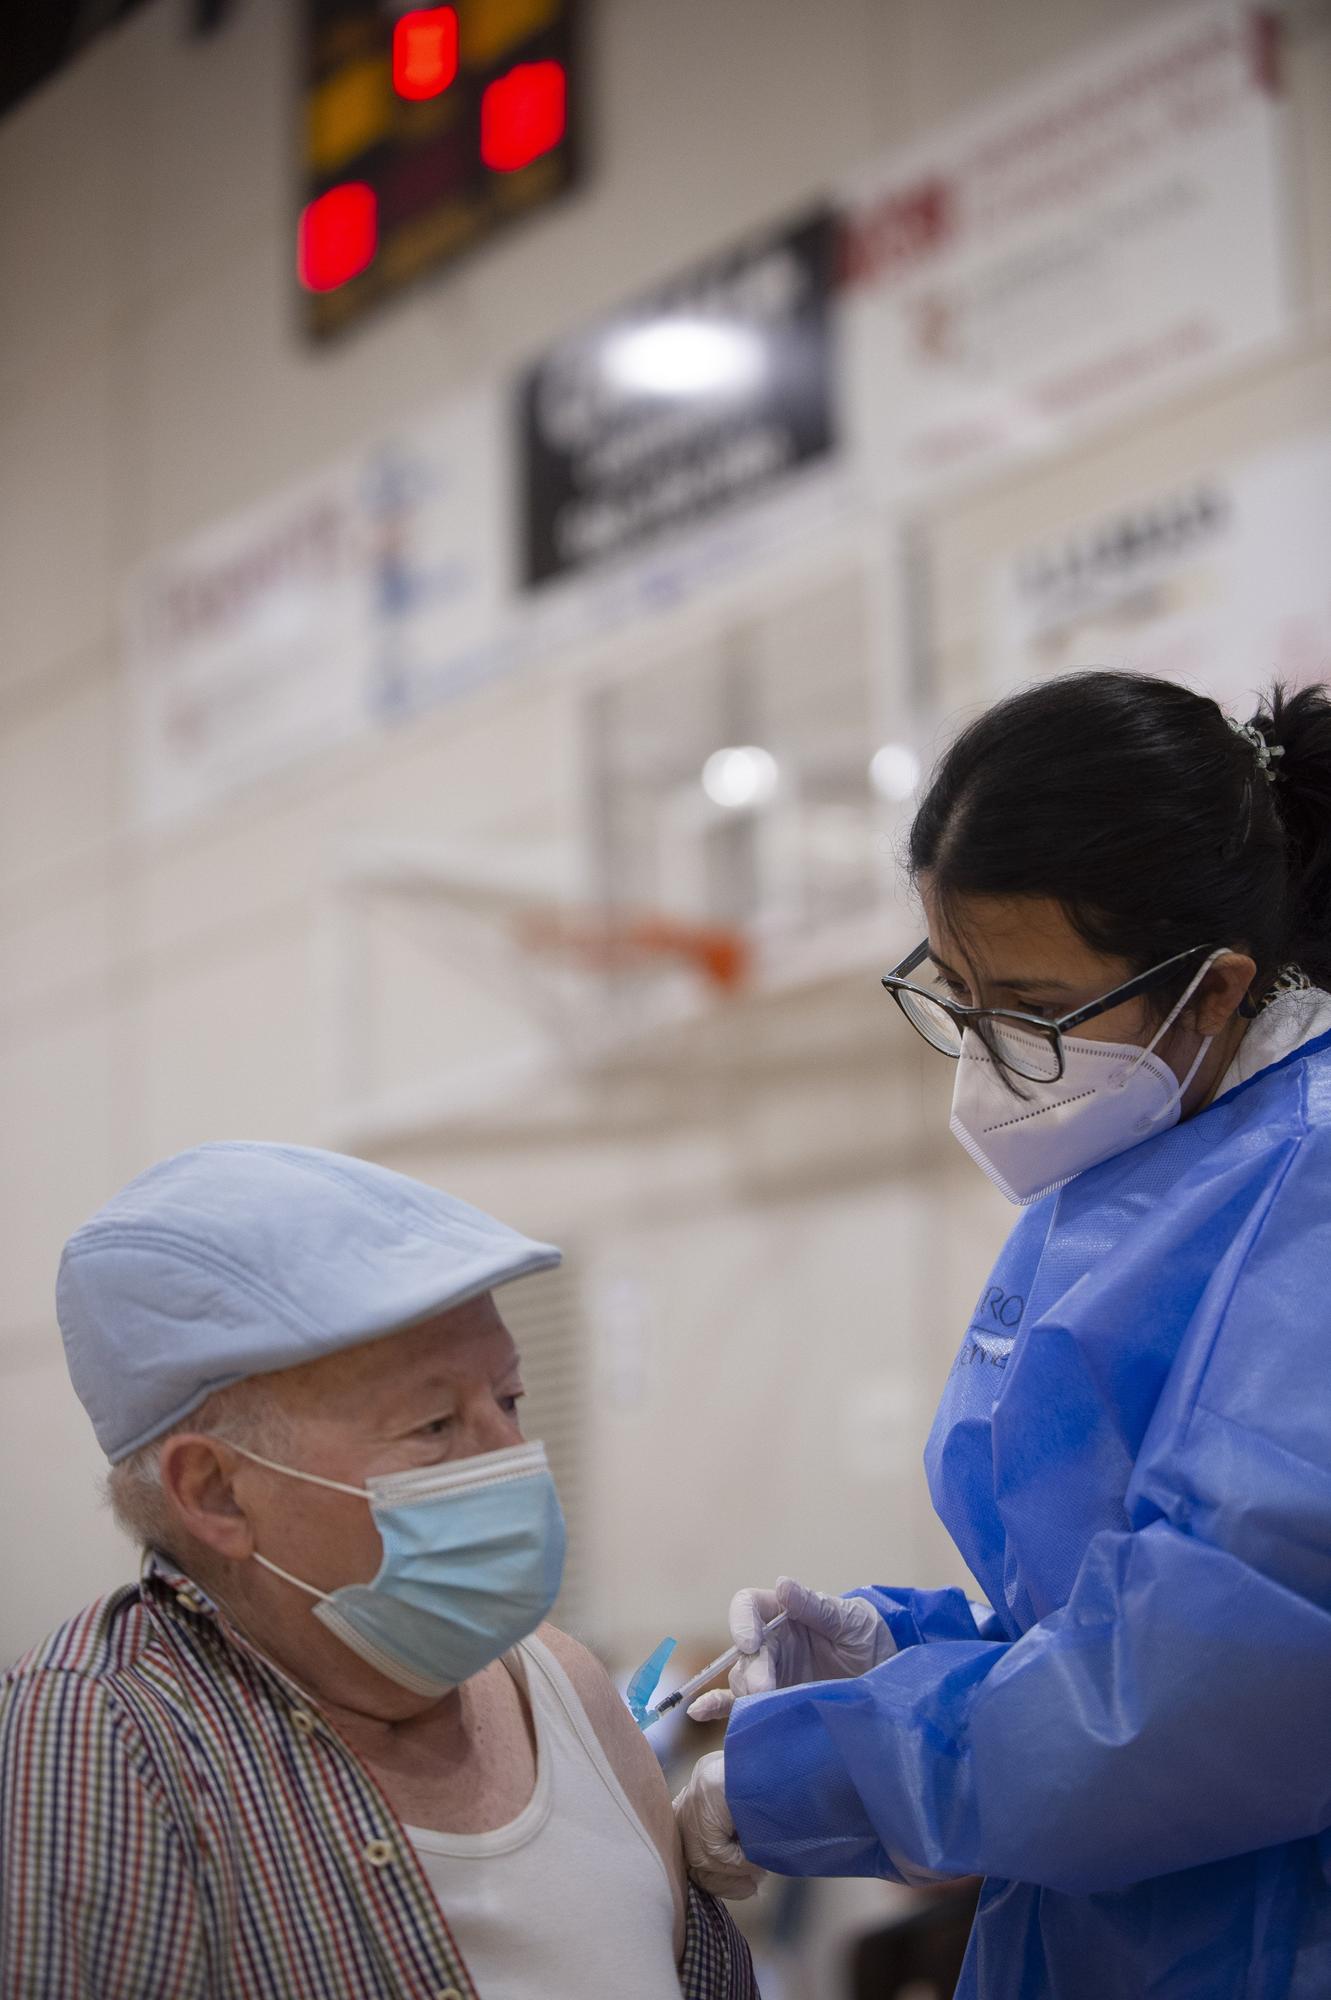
(177, 1822)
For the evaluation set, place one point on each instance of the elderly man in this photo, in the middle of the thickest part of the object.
(326, 1746)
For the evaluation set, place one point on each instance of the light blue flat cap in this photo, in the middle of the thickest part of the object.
(236, 1259)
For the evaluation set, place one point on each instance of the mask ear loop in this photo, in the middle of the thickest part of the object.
(313, 1479)
(1181, 1089)
(322, 1595)
(1177, 1095)
(293, 1472)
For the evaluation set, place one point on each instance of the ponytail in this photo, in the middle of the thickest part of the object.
(1299, 725)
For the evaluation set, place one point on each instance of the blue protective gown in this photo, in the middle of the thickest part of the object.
(1133, 1454)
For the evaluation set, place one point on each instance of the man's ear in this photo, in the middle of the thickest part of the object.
(197, 1476)
(1217, 1000)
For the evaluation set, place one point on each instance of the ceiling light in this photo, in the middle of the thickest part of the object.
(894, 772)
(684, 357)
(740, 777)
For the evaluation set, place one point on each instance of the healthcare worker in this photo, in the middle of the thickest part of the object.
(1129, 945)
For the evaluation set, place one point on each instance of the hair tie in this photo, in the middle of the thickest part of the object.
(1263, 750)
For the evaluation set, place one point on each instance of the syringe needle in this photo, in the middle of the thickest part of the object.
(720, 1665)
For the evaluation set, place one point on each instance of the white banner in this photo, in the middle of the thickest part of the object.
(1108, 235)
(370, 590)
(1221, 582)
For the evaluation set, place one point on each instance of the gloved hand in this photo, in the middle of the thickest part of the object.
(712, 1853)
(823, 1639)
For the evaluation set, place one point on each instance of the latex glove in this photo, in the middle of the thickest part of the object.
(823, 1639)
(712, 1852)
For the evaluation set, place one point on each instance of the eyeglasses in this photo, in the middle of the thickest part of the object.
(1027, 1044)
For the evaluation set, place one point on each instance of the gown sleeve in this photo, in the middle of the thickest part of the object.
(1177, 1709)
(922, 1617)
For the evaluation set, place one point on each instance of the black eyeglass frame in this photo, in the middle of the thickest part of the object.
(1052, 1032)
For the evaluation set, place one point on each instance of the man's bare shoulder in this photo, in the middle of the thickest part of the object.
(629, 1753)
(605, 1708)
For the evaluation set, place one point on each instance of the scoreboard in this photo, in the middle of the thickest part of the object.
(425, 130)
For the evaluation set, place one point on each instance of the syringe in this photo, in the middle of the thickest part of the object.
(720, 1665)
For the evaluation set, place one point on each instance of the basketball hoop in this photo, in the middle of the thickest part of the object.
(608, 943)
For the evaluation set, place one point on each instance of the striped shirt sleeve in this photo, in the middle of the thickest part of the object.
(97, 1896)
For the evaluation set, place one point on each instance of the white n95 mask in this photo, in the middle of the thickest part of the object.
(473, 1558)
(1111, 1096)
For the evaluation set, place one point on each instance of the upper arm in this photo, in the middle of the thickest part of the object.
(629, 1753)
(95, 1900)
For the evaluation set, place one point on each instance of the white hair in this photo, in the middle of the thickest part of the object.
(250, 1413)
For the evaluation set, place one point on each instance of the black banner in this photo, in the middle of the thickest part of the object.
(707, 393)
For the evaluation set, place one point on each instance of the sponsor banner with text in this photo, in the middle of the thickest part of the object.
(1111, 234)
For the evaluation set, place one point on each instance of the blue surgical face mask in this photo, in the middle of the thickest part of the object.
(473, 1557)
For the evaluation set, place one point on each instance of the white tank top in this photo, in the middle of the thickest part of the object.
(571, 1898)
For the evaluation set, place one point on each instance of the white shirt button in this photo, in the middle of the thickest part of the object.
(302, 1720)
(378, 1853)
(449, 1993)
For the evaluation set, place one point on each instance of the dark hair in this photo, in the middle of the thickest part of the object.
(1132, 803)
